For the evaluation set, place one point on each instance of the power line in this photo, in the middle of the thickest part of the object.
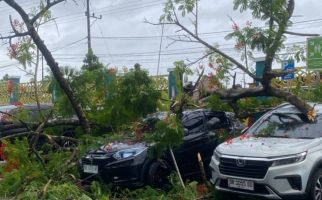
(68, 45)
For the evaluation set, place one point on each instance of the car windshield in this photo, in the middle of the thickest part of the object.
(287, 125)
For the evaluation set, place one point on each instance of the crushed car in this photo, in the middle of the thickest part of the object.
(19, 119)
(128, 164)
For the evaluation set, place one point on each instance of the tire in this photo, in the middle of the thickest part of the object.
(315, 188)
(158, 173)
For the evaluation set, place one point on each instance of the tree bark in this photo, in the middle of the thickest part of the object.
(52, 64)
(292, 99)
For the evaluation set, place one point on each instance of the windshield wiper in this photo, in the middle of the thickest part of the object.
(304, 138)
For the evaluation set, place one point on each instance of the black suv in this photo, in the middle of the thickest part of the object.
(128, 165)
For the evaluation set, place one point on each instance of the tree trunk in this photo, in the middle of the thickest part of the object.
(60, 79)
(292, 99)
(52, 64)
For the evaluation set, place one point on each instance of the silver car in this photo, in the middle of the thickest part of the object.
(279, 157)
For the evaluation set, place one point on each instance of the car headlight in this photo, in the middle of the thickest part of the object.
(126, 153)
(217, 156)
(290, 159)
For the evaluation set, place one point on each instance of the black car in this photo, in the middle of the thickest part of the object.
(128, 165)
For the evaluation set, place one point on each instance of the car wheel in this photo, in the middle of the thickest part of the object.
(315, 191)
(158, 174)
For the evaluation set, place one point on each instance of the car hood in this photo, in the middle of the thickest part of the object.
(265, 147)
(117, 146)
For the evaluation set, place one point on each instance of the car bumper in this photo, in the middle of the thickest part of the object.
(123, 173)
(281, 182)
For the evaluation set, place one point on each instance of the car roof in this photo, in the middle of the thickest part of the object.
(203, 110)
(7, 108)
(35, 106)
(289, 108)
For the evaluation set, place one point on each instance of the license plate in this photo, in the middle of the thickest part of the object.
(91, 169)
(241, 184)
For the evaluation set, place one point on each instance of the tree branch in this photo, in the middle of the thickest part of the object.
(237, 93)
(302, 34)
(276, 74)
(51, 62)
(214, 49)
(199, 59)
(49, 4)
(292, 99)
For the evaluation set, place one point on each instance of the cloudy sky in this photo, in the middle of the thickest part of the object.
(121, 38)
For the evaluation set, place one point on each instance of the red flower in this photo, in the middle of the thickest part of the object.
(13, 50)
(244, 136)
(2, 151)
(229, 141)
(18, 104)
(109, 147)
(235, 27)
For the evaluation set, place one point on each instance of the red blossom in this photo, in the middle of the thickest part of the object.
(235, 27)
(229, 141)
(240, 45)
(20, 104)
(2, 151)
(202, 190)
(109, 147)
(13, 50)
(244, 136)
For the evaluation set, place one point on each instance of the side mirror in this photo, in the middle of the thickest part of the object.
(185, 131)
(212, 122)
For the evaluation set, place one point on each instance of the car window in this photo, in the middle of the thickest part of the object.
(288, 125)
(194, 122)
(224, 121)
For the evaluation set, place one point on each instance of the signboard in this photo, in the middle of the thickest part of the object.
(260, 66)
(288, 65)
(314, 53)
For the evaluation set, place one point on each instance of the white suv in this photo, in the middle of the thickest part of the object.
(279, 157)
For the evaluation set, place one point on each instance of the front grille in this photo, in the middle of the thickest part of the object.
(97, 159)
(252, 168)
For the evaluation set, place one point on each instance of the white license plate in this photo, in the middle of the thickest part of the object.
(241, 184)
(91, 169)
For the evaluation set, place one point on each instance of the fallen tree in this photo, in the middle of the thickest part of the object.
(268, 40)
(28, 29)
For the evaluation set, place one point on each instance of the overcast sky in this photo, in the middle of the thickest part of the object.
(121, 38)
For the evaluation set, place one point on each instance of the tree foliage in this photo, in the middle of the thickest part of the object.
(276, 14)
(111, 100)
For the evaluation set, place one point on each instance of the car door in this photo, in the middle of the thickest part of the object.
(195, 141)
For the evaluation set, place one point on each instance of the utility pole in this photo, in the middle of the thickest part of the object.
(89, 16)
(89, 42)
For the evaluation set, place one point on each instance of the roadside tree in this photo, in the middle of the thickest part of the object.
(269, 41)
(27, 33)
